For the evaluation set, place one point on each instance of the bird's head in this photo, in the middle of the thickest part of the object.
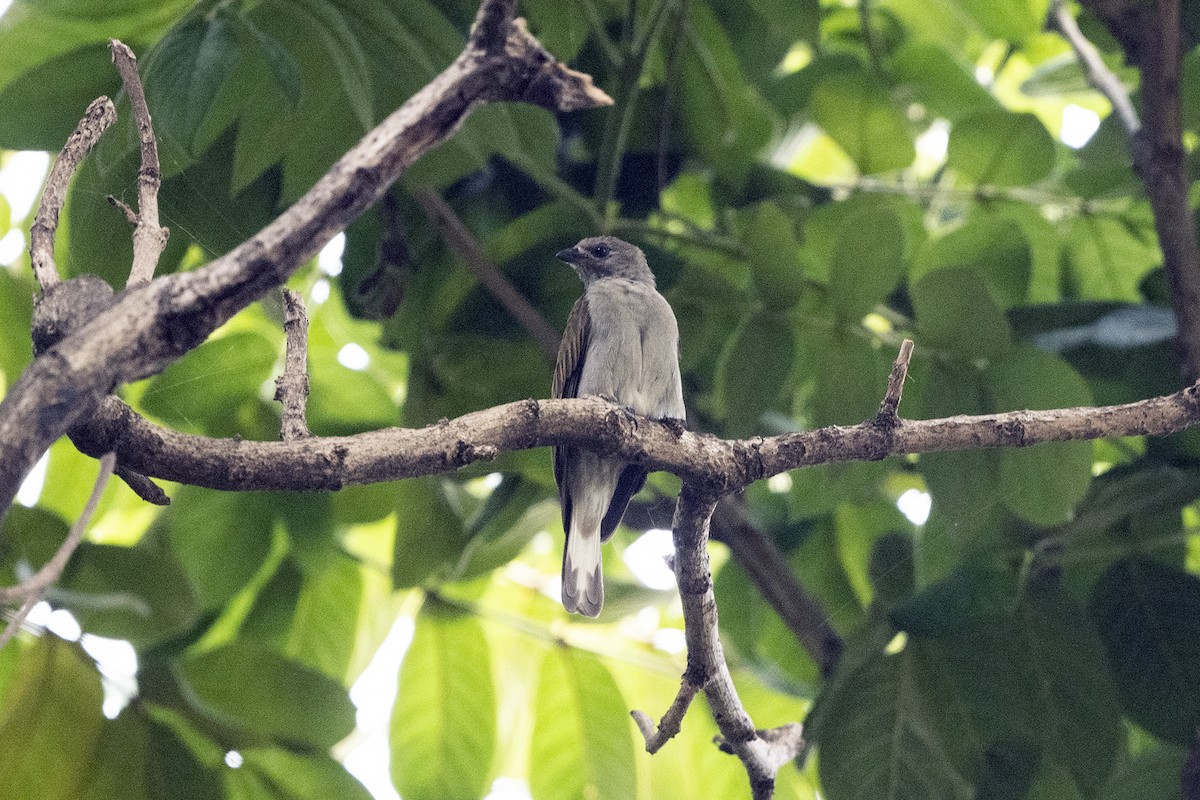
(607, 257)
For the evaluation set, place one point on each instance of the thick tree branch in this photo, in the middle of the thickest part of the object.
(99, 115)
(325, 463)
(1150, 36)
(148, 327)
(149, 238)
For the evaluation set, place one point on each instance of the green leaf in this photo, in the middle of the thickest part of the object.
(345, 55)
(994, 246)
(50, 724)
(60, 89)
(721, 113)
(754, 369)
(1148, 616)
(1044, 483)
(325, 627)
(868, 262)
(295, 776)
(137, 593)
(956, 312)
(1152, 774)
(183, 74)
(858, 114)
(1012, 21)
(247, 686)
(210, 388)
(1078, 701)
(778, 264)
(220, 539)
(582, 745)
(429, 534)
(29, 538)
(1001, 148)
(16, 297)
(172, 770)
(1109, 257)
(503, 526)
(877, 736)
(443, 730)
(941, 81)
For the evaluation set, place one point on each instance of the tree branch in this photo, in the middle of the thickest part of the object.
(149, 238)
(150, 326)
(325, 463)
(99, 115)
(291, 388)
(1150, 36)
(707, 670)
(1097, 72)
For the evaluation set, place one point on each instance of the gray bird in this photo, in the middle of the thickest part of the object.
(621, 343)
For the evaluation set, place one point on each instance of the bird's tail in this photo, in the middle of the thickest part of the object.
(582, 579)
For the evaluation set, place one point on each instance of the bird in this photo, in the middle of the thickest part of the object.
(621, 343)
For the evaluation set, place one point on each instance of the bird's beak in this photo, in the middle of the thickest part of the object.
(570, 255)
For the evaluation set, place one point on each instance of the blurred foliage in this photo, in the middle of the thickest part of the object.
(812, 182)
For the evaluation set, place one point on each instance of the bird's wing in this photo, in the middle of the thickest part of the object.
(567, 371)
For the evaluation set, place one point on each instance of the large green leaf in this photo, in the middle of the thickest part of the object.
(582, 745)
(230, 370)
(1001, 148)
(50, 725)
(1148, 616)
(1109, 257)
(877, 735)
(429, 535)
(294, 776)
(1152, 774)
(956, 312)
(868, 262)
(859, 115)
(754, 370)
(249, 687)
(778, 264)
(444, 722)
(722, 114)
(942, 83)
(994, 246)
(137, 593)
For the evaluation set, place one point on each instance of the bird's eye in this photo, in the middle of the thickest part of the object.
(600, 251)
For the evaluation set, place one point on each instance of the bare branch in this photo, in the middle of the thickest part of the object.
(325, 463)
(466, 247)
(895, 387)
(658, 735)
(99, 115)
(150, 326)
(1097, 72)
(30, 591)
(149, 238)
(291, 388)
(707, 669)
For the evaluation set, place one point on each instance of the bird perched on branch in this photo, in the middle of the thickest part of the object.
(621, 343)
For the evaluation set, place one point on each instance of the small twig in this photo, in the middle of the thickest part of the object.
(143, 487)
(895, 386)
(99, 115)
(31, 590)
(149, 238)
(291, 388)
(130, 215)
(466, 247)
(1097, 72)
(657, 736)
